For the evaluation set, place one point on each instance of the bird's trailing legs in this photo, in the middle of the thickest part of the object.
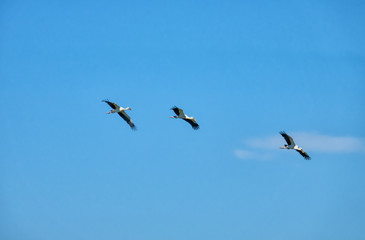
(112, 111)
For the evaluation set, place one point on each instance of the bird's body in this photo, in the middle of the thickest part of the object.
(120, 109)
(291, 145)
(181, 115)
(121, 112)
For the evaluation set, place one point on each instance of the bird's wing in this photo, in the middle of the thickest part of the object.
(287, 138)
(193, 123)
(304, 154)
(178, 111)
(127, 119)
(111, 104)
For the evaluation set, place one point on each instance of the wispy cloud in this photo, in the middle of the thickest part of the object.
(246, 154)
(258, 148)
(324, 143)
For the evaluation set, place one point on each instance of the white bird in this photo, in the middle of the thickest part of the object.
(121, 112)
(180, 114)
(292, 145)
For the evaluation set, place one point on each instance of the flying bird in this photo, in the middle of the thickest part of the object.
(180, 114)
(121, 112)
(292, 145)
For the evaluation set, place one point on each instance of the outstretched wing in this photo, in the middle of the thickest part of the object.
(127, 119)
(178, 111)
(304, 154)
(111, 104)
(193, 123)
(287, 138)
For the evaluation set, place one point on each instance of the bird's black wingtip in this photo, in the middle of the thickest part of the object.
(196, 127)
(134, 128)
(173, 107)
(282, 132)
(105, 100)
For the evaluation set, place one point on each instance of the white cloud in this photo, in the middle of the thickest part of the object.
(244, 154)
(262, 148)
(271, 142)
(324, 143)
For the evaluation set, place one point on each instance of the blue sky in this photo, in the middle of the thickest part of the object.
(244, 70)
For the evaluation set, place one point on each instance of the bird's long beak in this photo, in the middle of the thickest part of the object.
(171, 117)
(282, 147)
(108, 113)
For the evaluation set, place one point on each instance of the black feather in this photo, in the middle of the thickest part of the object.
(289, 140)
(176, 110)
(193, 124)
(127, 119)
(304, 154)
(111, 104)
